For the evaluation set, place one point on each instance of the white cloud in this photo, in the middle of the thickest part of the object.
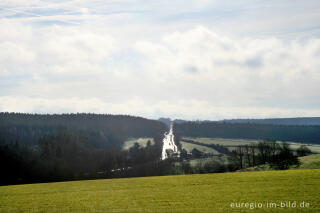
(187, 109)
(55, 49)
(244, 71)
(105, 65)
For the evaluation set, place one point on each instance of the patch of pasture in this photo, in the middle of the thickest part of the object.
(189, 147)
(238, 142)
(205, 193)
(141, 141)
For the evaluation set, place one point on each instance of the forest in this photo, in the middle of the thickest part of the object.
(44, 148)
(102, 130)
(211, 129)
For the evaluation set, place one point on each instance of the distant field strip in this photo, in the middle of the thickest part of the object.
(218, 148)
(206, 193)
(222, 141)
(231, 143)
(189, 147)
(141, 141)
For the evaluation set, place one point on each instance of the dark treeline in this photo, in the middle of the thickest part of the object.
(102, 130)
(70, 156)
(303, 134)
(268, 153)
(44, 148)
(303, 121)
(277, 155)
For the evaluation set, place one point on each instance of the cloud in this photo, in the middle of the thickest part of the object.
(187, 109)
(178, 69)
(65, 49)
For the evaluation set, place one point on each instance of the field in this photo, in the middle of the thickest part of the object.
(237, 142)
(221, 159)
(206, 193)
(141, 141)
(310, 162)
(313, 148)
(221, 141)
(189, 147)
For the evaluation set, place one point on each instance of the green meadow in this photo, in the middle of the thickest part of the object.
(205, 193)
(189, 147)
(310, 162)
(141, 141)
(221, 141)
(315, 148)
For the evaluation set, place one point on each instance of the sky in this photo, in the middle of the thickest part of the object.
(199, 59)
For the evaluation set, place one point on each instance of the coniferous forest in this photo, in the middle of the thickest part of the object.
(42, 148)
(294, 133)
(101, 130)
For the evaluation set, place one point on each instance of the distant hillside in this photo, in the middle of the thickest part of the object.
(301, 121)
(100, 129)
(167, 121)
(279, 121)
(302, 134)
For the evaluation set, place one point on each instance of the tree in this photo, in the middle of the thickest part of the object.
(184, 154)
(236, 157)
(186, 167)
(196, 153)
(285, 158)
(303, 150)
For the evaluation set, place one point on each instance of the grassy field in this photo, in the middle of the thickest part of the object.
(313, 148)
(307, 162)
(310, 162)
(206, 193)
(237, 142)
(189, 147)
(223, 160)
(142, 141)
(222, 141)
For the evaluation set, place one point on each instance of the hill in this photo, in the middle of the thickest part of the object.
(310, 162)
(302, 121)
(45, 148)
(231, 144)
(205, 193)
(301, 134)
(307, 162)
(102, 130)
(167, 121)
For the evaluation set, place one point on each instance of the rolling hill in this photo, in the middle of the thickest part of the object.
(205, 193)
(303, 121)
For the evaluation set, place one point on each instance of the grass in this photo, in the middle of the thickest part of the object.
(223, 160)
(189, 147)
(237, 142)
(206, 193)
(307, 162)
(141, 141)
(310, 162)
(313, 148)
(222, 141)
